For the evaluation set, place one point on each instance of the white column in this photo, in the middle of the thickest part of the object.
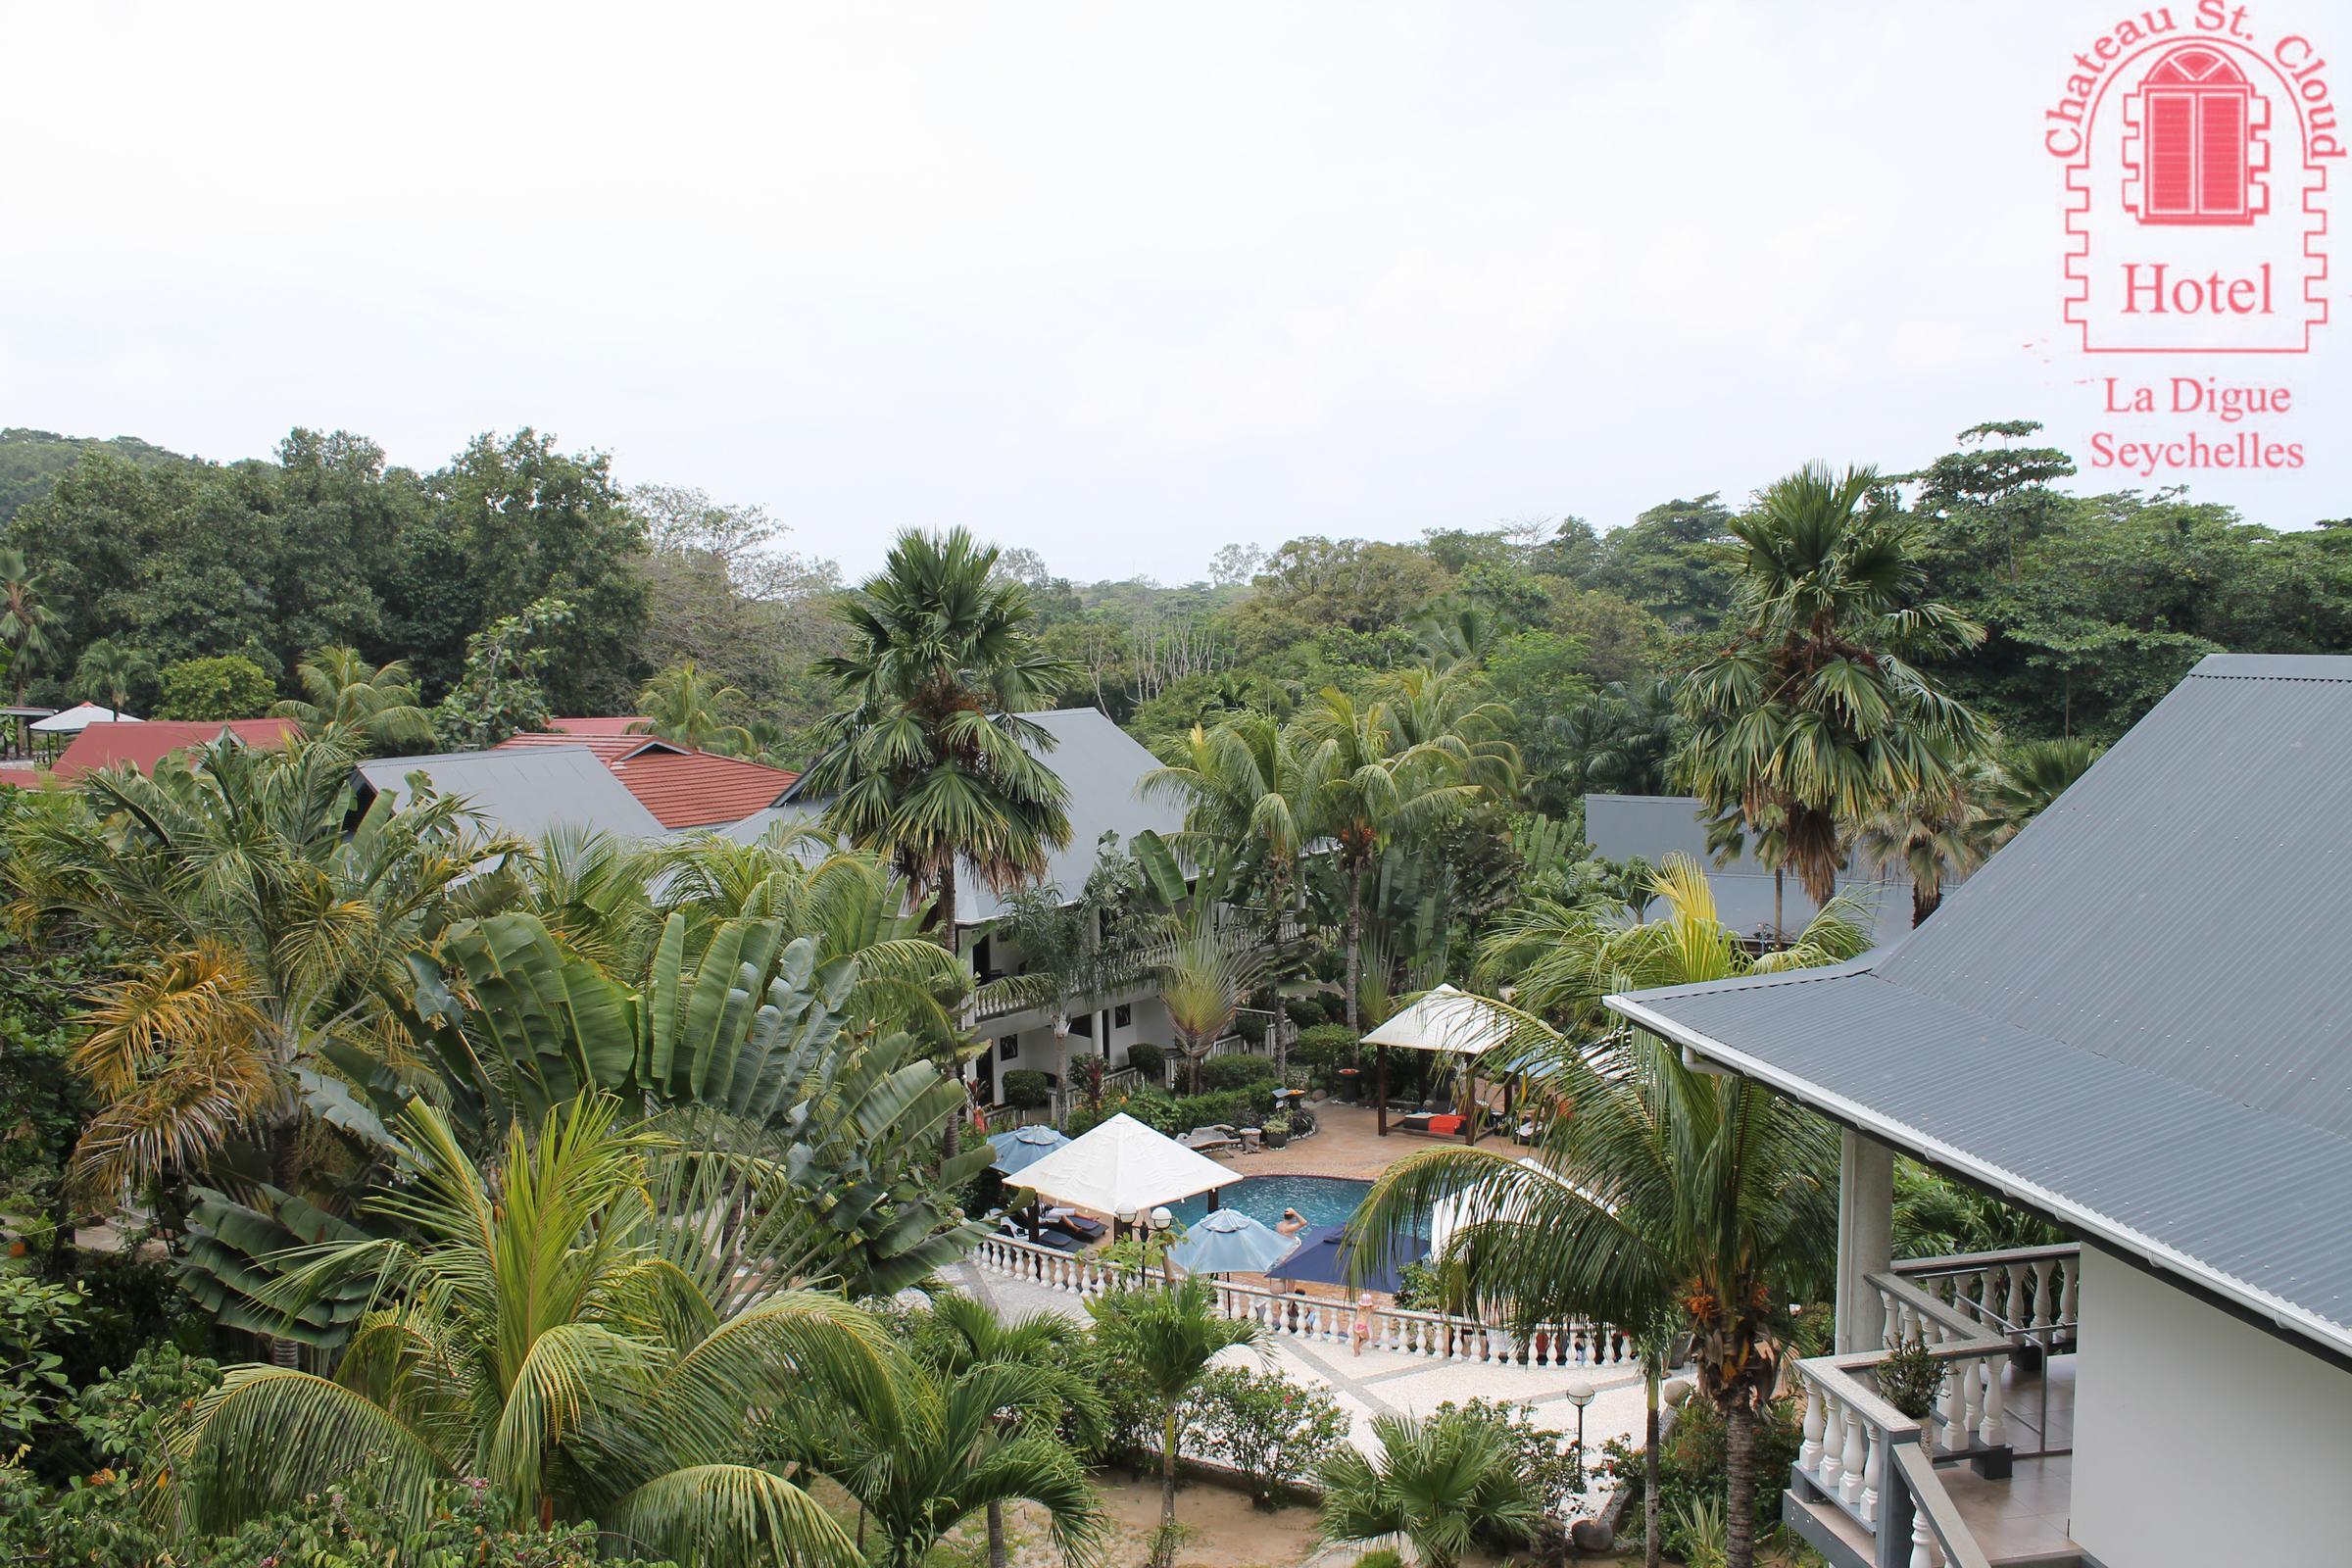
(1865, 1240)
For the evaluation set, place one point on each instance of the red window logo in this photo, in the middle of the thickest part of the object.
(2197, 117)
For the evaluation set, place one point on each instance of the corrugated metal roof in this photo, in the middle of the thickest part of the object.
(700, 789)
(1100, 765)
(1654, 826)
(143, 744)
(525, 791)
(2138, 1014)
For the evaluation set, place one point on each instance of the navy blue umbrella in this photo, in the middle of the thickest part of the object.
(1323, 1254)
(1024, 1147)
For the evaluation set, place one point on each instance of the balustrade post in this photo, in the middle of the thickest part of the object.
(1833, 1445)
(1972, 1411)
(1808, 1457)
(1994, 1430)
(2068, 1306)
(1923, 1543)
(1858, 1440)
(1873, 1471)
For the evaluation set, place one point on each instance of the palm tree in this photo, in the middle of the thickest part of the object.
(1621, 739)
(531, 1327)
(25, 619)
(930, 762)
(1077, 952)
(958, 1350)
(1168, 1338)
(1812, 715)
(107, 672)
(685, 706)
(1663, 1187)
(1367, 787)
(1936, 835)
(1437, 1483)
(377, 703)
(1206, 972)
(230, 872)
(1246, 801)
(2031, 777)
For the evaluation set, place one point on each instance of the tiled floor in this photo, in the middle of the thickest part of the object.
(1347, 1142)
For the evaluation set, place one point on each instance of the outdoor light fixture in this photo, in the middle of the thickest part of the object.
(1580, 1395)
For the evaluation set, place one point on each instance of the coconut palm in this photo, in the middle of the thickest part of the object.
(378, 703)
(229, 870)
(2031, 777)
(531, 1326)
(929, 760)
(107, 672)
(1367, 787)
(1662, 1186)
(1246, 801)
(26, 621)
(686, 705)
(1438, 1482)
(1814, 712)
(1168, 1338)
(1620, 739)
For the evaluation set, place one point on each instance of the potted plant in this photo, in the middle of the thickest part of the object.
(1278, 1130)
(1910, 1378)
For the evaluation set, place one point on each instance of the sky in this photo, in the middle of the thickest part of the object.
(1115, 283)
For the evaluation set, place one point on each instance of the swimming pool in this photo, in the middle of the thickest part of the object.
(1323, 1199)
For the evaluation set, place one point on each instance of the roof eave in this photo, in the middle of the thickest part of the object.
(2266, 1308)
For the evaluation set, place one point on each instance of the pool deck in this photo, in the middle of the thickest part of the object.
(1373, 1382)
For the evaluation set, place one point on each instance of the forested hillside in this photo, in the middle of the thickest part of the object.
(2093, 605)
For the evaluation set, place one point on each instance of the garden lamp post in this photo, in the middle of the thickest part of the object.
(1158, 1223)
(1580, 1395)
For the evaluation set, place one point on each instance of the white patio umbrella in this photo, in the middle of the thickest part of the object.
(1230, 1242)
(74, 720)
(1124, 1167)
(1445, 1020)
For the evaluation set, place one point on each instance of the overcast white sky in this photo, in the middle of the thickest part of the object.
(1119, 283)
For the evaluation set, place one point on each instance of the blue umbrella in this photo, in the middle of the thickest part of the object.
(1322, 1257)
(1024, 1147)
(1227, 1241)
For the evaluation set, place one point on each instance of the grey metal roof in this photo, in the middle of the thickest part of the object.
(524, 791)
(1654, 826)
(1100, 765)
(2137, 1015)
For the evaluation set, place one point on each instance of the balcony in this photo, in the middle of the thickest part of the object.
(1986, 1479)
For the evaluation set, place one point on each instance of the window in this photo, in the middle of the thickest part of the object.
(1122, 1016)
(1083, 1025)
(1008, 1048)
(2196, 129)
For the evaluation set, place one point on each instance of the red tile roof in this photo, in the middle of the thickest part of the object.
(143, 744)
(610, 746)
(700, 789)
(611, 725)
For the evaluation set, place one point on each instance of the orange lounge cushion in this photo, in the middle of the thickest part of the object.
(1444, 1126)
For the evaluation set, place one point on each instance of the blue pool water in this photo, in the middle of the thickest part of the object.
(1323, 1199)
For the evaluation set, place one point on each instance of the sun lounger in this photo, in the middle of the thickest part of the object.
(1201, 1140)
(1049, 1238)
(1069, 1222)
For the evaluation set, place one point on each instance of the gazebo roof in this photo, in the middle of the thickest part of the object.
(1124, 1167)
(1445, 1019)
(74, 720)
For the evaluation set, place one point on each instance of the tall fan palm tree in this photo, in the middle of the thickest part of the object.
(686, 705)
(1936, 835)
(1438, 1482)
(531, 1327)
(1663, 1187)
(25, 620)
(929, 760)
(378, 703)
(107, 672)
(1367, 787)
(1813, 712)
(1168, 1338)
(2032, 776)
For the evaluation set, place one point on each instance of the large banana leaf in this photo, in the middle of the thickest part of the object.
(227, 1265)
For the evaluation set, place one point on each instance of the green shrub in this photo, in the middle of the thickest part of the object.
(1691, 1466)
(1306, 1012)
(1274, 1430)
(216, 689)
(1235, 1072)
(1327, 1045)
(1025, 1090)
(122, 1415)
(1911, 1377)
(1250, 1027)
(1149, 1059)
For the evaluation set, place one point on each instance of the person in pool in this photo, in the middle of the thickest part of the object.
(1291, 1223)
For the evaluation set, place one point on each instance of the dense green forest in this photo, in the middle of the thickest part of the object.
(2093, 605)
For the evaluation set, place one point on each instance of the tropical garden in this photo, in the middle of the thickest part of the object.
(385, 1188)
